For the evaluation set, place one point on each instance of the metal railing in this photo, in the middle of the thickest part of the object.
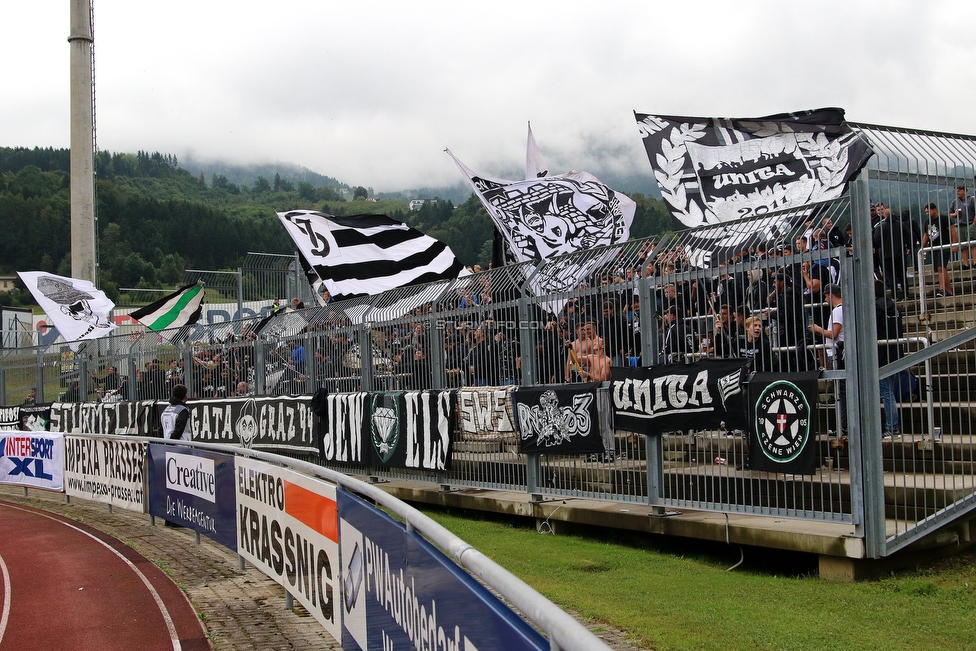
(562, 630)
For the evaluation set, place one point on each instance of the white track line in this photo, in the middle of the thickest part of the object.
(5, 615)
(170, 626)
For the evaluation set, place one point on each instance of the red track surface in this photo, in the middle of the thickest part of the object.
(67, 587)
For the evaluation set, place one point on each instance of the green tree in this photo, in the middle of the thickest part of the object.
(360, 193)
(262, 185)
(306, 191)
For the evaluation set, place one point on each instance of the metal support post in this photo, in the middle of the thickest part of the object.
(289, 601)
(39, 375)
(527, 343)
(366, 356)
(438, 373)
(533, 473)
(863, 389)
(655, 472)
(240, 293)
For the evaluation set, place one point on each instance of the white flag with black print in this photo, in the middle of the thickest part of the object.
(728, 174)
(364, 255)
(552, 216)
(76, 308)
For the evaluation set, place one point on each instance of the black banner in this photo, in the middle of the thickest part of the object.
(9, 417)
(782, 410)
(122, 418)
(345, 428)
(35, 418)
(275, 423)
(672, 397)
(280, 423)
(558, 419)
(31, 418)
(412, 429)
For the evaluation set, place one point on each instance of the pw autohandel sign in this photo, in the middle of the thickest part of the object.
(400, 592)
(194, 489)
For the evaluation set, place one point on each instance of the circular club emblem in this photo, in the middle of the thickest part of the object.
(782, 421)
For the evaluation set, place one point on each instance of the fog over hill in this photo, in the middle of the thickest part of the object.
(638, 181)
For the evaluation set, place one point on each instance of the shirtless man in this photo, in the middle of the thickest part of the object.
(588, 360)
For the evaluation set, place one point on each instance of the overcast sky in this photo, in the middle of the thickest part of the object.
(372, 92)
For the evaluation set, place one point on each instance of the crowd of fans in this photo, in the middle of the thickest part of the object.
(776, 303)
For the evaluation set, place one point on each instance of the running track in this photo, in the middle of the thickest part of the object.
(67, 587)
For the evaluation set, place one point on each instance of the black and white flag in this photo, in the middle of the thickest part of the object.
(673, 397)
(364, 255)
(558, 419)
(551, 216)
(717, 171)
(76, 308)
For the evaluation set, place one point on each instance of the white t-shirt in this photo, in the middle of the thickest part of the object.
(836, 316)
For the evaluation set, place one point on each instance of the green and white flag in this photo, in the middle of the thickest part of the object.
(181, 308)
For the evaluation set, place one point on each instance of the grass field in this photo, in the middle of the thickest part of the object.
(676, 595)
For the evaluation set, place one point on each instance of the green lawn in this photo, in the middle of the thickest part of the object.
(666, 599)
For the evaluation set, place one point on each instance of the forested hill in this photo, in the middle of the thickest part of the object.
(156, 219)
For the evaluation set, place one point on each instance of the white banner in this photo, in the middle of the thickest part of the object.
(288, 527)
(32, 459)
(106, 470)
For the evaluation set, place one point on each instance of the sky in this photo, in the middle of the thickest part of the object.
(371, 92)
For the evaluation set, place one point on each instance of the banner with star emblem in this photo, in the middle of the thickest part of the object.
(558, 419)
(783, 416)
(412, 429)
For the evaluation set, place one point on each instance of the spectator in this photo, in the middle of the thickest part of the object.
(755, 345)
(676, 340)
(939, 231)
(31, 398)
(174, 375)
(889, 328)
(507, 359)
(588, 361)
(297, 356)
(154, 379)
(73, 394)
(962, 210)
(297, 304)
(552, 351)
(111, 384)
(891, 244)
(787, 300)
(834, 334)
(481, 365)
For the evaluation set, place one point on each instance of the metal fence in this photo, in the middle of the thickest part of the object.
(648, 302)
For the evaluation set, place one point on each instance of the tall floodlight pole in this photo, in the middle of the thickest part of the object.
(82, 144)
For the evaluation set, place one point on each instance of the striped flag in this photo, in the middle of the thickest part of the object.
(364, 255)
(181, 308)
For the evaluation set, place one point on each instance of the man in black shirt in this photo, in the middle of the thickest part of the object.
(787, 300)
(940, 231)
